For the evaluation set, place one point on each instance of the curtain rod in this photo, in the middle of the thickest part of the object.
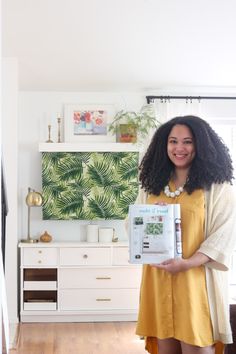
(190, 98)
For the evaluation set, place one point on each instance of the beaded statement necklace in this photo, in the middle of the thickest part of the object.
(174, 194)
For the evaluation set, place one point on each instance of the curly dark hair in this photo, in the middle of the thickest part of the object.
(211, 164)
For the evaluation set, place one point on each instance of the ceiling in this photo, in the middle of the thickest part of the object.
(100, 45)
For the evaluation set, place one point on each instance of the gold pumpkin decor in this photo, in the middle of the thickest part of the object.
(45, 237)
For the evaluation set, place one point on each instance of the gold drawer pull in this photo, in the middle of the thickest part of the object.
(85, 256)
(40, 251)
(103, 278)
(103, 299)
(39, 261)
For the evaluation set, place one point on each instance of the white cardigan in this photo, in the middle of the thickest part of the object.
(219, 243)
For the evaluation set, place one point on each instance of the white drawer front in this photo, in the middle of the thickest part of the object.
(40, 256)
(120, 256)
(85, 256)
(100, 278)
(40, 285)
(100, 299)
(40, 306)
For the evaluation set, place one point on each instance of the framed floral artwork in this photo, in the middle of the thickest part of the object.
(88, 123)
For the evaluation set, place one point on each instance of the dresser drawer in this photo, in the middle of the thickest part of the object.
(39, 256)
(120, 256)
(99, 299)
(40, 306)
(40, 285)
(100, 278)
(83, 256)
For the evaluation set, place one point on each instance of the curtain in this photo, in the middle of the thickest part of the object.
(167, 109)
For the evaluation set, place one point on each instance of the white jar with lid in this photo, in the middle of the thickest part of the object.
(105, 234)
(92, 233)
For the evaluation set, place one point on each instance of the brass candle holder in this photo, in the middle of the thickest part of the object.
(59, 130)
(49, 134)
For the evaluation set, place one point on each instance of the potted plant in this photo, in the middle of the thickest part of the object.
(132, 127)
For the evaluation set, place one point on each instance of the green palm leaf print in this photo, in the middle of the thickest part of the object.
(88, 185)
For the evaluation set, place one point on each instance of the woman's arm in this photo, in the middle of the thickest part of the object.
(176, 265)
(216, 250)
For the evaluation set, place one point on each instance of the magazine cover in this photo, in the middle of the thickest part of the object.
(154, 233)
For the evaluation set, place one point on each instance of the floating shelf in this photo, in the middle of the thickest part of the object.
(88, 147)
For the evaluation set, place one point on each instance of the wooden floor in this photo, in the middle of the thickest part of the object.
(78, 338)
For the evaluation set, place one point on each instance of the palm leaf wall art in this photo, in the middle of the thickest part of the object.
(88, 185)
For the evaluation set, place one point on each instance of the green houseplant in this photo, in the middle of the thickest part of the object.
(130, 126)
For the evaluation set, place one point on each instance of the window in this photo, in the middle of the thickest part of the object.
(226, 129)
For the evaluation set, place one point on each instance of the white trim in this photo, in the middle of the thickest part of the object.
(88, 147)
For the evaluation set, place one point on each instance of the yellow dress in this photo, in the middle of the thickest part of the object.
(177, 305)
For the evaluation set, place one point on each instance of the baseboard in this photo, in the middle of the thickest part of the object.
(14, 335)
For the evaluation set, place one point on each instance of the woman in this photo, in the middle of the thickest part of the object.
(184, 302)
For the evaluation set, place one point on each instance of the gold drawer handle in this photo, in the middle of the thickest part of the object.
(103, 278)
(39, 261)
(103, 299)
(40, 251)
(85, 256)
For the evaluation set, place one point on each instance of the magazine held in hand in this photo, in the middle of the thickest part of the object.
(154, 233)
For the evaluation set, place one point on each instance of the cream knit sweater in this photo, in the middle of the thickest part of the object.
(220, 241)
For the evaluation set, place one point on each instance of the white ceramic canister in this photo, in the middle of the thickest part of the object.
(105, 234)
(92, 233)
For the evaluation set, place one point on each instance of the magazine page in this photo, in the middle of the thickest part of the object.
(154, 233)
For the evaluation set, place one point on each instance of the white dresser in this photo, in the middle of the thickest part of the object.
(78, 282)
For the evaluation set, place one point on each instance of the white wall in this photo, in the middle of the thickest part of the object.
(36, 109)
(0, 164)
(9, 155)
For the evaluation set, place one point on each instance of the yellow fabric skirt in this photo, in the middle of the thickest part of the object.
(151, 346)
(176, 306)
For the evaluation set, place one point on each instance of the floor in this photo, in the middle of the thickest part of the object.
(78, 338)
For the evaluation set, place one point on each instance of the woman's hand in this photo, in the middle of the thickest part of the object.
(176, 265)
(173, 265)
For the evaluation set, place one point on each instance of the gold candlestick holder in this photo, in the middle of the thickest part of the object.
(59, 130)
(49, 134)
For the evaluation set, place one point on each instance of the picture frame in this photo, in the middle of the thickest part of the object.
(88, 122)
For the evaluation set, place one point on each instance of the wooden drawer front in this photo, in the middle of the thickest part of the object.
(120, 256)
(100, 278)
(39, 256)
(85, 256)
(99, 299)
